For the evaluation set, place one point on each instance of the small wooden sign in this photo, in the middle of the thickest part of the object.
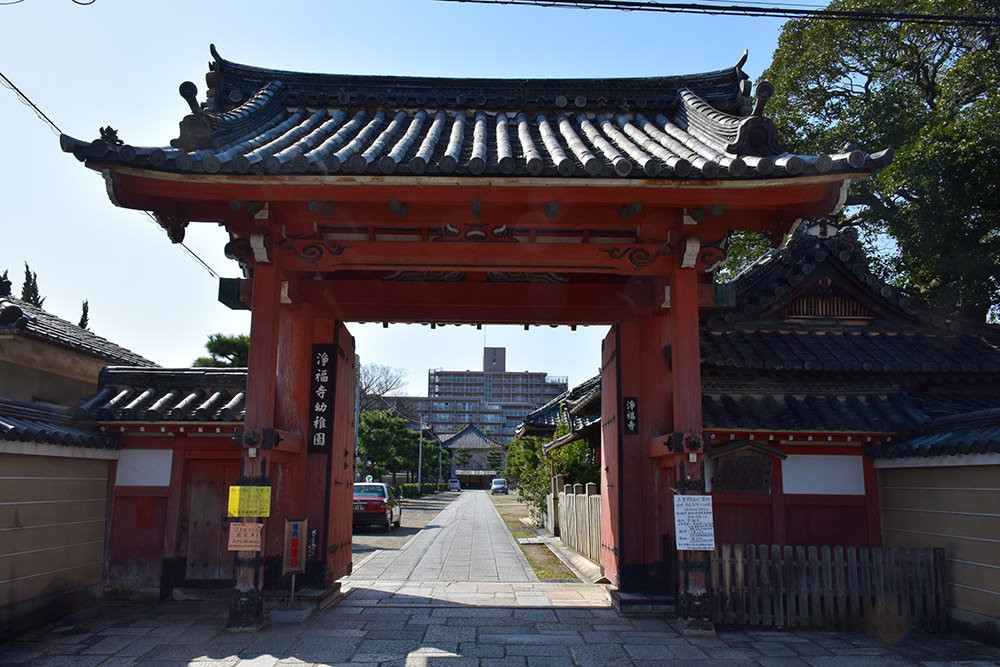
(694, 523)
(244, 536)
(294, 560)
(249, 501)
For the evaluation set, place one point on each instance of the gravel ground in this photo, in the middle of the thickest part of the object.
(417, 513)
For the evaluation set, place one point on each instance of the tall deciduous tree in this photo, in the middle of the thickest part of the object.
(226, 350)
(376, 381)
(931, 92)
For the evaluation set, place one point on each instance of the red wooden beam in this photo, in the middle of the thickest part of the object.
(607, 258)
(481, 302)
(138, 188)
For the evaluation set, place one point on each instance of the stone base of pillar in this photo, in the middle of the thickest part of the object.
(246, 611)
(696, 627)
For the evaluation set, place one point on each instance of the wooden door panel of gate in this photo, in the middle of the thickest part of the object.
(207, 529)
(339, 535)
(610, 452)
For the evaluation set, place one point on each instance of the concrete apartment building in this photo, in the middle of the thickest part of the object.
(493, 399)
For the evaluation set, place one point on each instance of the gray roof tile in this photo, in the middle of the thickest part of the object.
(265, 121)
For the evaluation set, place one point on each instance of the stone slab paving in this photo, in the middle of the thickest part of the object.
(440, 604)
(362, 631)
(467, 541)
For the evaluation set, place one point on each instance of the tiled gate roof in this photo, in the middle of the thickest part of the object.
(263, 121)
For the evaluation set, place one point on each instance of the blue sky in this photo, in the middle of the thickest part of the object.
(120, 63)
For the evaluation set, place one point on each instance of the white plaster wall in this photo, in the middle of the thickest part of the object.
(823, 474)
(144, 467)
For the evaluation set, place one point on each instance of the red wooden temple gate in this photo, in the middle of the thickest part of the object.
(475, 201)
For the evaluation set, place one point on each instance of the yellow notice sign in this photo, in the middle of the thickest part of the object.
(249, 501)
(244, 536)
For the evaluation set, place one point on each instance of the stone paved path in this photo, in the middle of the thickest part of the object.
(467, 542)
(441, 634)
(426, 618)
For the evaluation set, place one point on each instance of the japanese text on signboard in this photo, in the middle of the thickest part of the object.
(694, 523)
(295, 532)
(631, 414)
(249, 501)
(321, 398)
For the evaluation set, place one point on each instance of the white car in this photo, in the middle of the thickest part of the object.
(454, 484)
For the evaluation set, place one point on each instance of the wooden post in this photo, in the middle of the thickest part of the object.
(246, 611)
(687, 426)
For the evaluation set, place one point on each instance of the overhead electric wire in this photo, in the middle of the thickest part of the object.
(873, 16)
(55, 128)
(25, 100)
(189, 251)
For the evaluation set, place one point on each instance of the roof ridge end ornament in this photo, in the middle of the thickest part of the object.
(763, 92)
(196, 127)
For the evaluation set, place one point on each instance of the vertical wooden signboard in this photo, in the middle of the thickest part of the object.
(321, 398)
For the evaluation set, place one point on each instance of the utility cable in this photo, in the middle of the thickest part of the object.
(189, 251)
(920, 18)
(25, 100)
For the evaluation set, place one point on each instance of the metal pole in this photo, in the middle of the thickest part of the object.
(439, 461)
(420, 462)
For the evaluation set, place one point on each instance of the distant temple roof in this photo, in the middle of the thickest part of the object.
(263, 121)
(20, 318)
(470, 437)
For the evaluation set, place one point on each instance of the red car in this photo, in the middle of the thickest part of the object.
(375, 506)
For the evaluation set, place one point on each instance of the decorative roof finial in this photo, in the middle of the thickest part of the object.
(4, 286)
(189, 92)
(763, 93)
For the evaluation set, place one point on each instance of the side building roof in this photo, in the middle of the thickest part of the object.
(20, 318)
(167, 394)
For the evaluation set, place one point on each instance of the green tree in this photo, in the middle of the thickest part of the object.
(462, 455)
(29, 290)
(226, 350)
(384, 443)
(931, 92)
(494, 460)
(85, 315)
(742, 250)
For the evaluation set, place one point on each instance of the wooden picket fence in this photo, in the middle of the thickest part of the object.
(580, 519)
(880, 590)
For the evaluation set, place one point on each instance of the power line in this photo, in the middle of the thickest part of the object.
(786, 11)
(55, 128)
(25, 100)
(189, 251)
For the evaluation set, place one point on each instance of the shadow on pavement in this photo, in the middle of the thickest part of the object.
(398, 623)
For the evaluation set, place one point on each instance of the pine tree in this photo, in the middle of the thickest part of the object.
(29, 290)
(85, 315)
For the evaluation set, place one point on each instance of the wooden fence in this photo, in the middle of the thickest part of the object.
(580, 519)
(881, 590)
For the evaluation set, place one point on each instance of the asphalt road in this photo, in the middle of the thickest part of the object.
(417, 513)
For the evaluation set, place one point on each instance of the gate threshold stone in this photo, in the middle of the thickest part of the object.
(475, 594)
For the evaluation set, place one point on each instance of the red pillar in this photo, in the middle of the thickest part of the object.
(246, 609)
(688, 440)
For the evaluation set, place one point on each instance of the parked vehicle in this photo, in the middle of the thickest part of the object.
(374, 505)
(498, 485)
(454, 484)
